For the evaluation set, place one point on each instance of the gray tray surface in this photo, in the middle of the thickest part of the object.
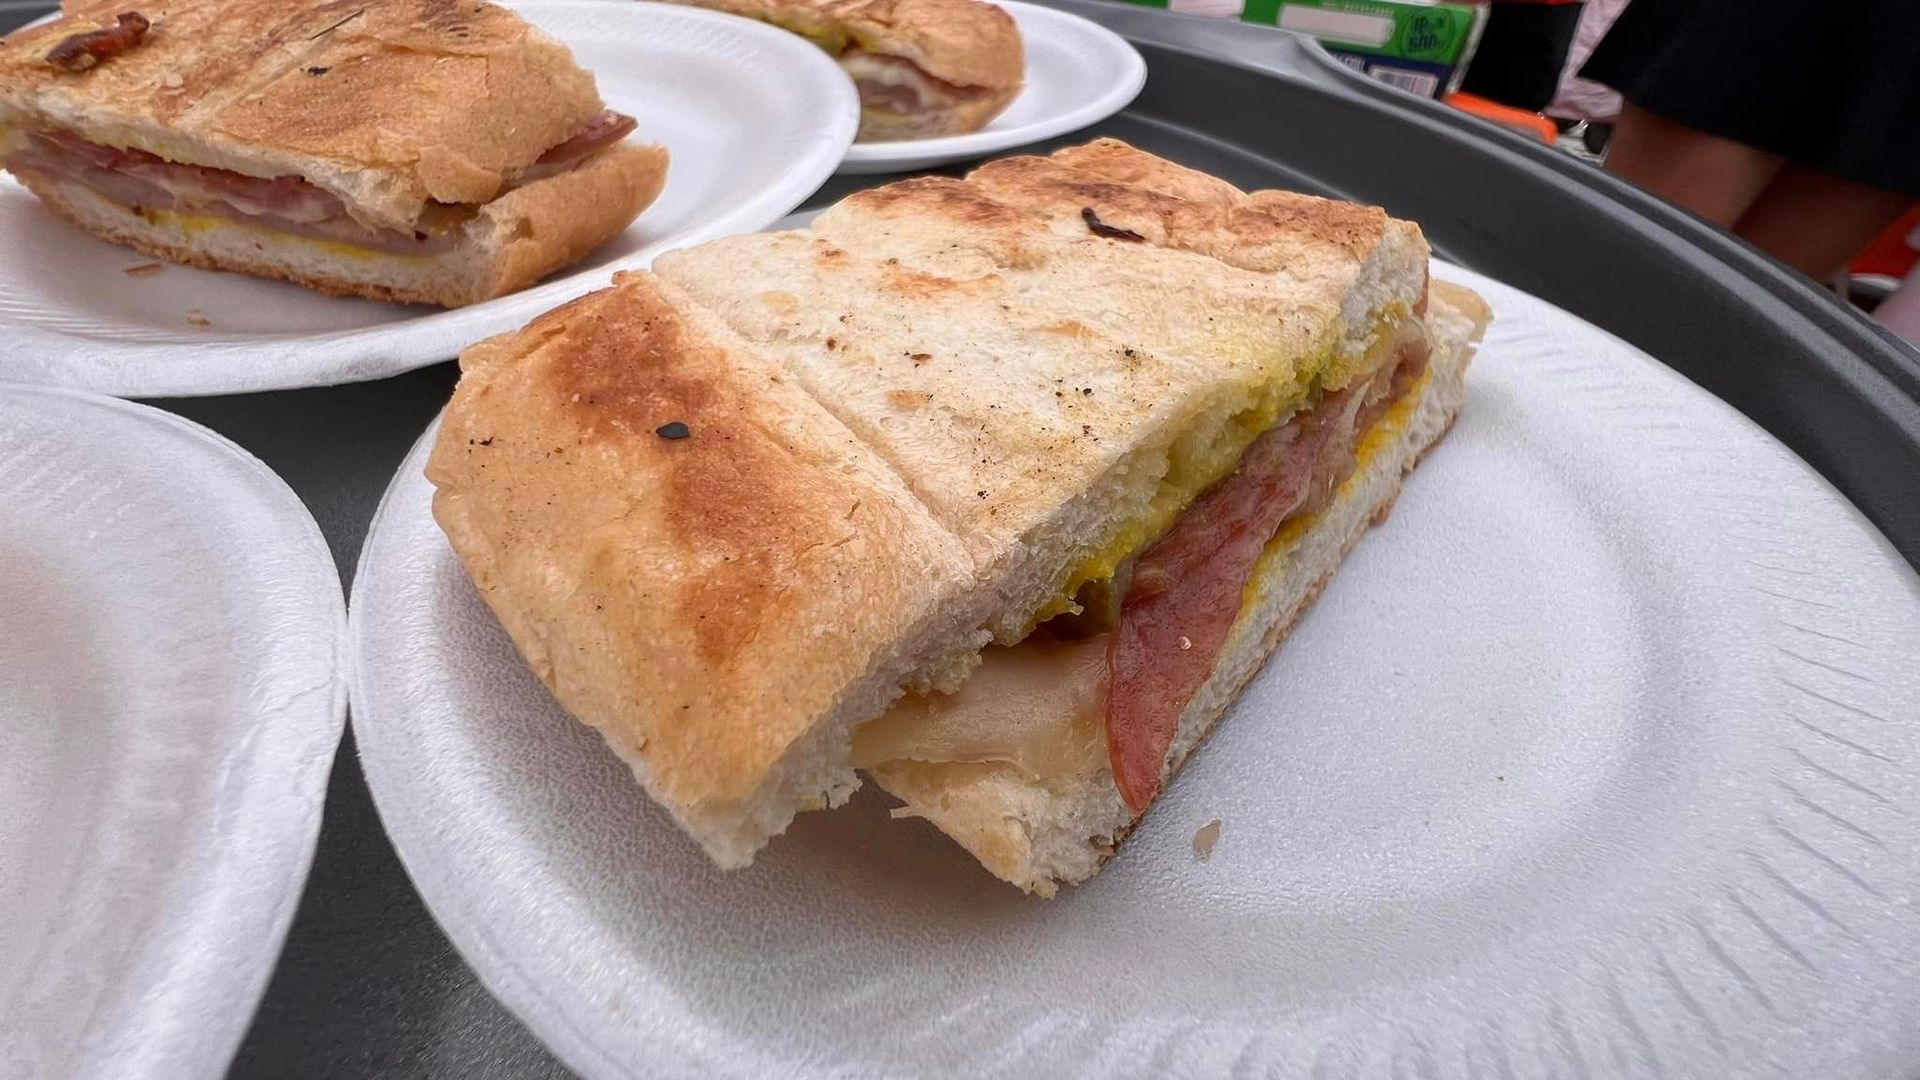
(367, 984)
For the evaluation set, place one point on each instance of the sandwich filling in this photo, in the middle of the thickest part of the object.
(1106, 681)
(891, 88)
(152, 186)
(897, 88)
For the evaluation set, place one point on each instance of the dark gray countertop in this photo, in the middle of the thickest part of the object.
(367, 984)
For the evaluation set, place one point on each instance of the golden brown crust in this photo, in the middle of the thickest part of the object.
(389, 105)
(1059, 363)
(704, 599)
(964, 42)
(543, 226)
(1163, 203)
(1177, 207)
(1116, 161)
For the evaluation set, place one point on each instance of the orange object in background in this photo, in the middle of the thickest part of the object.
(1526, 123)
(1890, 253)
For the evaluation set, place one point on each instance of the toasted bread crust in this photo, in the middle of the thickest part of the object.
(705, 593)
(386, 105)
(1057, 362)
(540, 227)
(964, 42)
(1172, 206)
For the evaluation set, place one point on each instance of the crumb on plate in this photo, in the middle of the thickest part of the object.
(1204, 840)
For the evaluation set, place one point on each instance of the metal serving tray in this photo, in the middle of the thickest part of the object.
(368, 985)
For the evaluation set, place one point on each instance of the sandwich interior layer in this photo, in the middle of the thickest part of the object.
(289, 205)
(894, 87)
(1101, 683)
(894, 91)
(1202, 455)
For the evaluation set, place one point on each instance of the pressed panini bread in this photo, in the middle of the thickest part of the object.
(922, 68)
(312, 141)
(733, 509)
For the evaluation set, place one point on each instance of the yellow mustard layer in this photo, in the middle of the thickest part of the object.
(1035, 706)
(1200, 459)
(1383, 432)
(1193, 466)
(191, 225)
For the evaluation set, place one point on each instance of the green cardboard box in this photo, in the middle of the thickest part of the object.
(1420, 47)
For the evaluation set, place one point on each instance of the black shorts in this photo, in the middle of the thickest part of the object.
(1521, 53)
(1833, 84)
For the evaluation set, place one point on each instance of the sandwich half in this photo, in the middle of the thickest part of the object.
(998, 489)
(923, 68)
(411, 150)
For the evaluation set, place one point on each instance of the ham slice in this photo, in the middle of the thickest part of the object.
(605, 129)
(287, 204)
(891, 84)
(1185, 594)
(287, 196)
(1038, 706)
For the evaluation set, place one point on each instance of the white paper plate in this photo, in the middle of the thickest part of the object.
(1078, 72)
(170, 700)
(1599, 758)
(755, 119)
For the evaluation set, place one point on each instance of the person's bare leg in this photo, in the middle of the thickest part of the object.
(1715, 178)
(1900, 312)
(1816, 222)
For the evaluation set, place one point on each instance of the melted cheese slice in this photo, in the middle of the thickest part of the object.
(1038, 706)
(195, 225)
(886, 71)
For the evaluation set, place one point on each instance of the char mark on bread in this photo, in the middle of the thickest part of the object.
(89, 48)
(1101, 228)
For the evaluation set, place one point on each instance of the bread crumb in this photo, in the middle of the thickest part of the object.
(1204, 840)
(143, 270)
(196, 317)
